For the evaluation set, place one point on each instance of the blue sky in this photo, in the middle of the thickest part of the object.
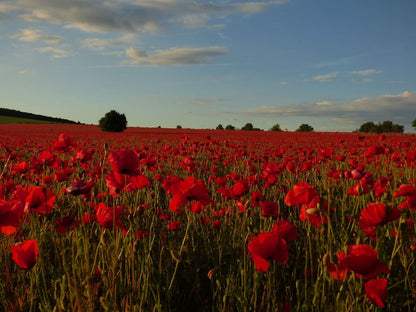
(331, 64)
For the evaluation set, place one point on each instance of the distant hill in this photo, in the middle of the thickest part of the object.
(15, 116)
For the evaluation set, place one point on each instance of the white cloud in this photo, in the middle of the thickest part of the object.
(256, 7)
(396, 107)
(366, 72)
(56, 52)
(101, 44)
(35, 35)
(175, 56)
(326, 77)
(323, 103)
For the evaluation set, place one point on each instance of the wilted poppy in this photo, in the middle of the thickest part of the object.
(25, 254)
(80, 188)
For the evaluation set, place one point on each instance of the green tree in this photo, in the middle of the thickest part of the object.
(414, 124)
(386, 126)
(248, 126)
(178, 127)
(368, 126)
(276, 127)
(229, 127)
(220, 127)
(304, 128)
(113, 121)
(398, 128)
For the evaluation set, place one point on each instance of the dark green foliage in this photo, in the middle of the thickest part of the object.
(229, 127)
(382, 127)
(248, 126)
(113, 121)
(276, 127)
(414, 124)
(220, 127)
(305, 128)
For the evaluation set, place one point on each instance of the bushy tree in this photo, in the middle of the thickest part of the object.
(304, 128)
(220, 127)
(276, 127)
(381, 127)
(113, 121)
(229, 127)
(248, 126)
(368, 126)
(414, 124)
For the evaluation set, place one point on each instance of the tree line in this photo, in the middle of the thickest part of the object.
(116, 122)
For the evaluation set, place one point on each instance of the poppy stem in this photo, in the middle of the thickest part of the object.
(180, 250)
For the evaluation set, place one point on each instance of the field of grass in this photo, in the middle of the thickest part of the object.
(17, 120)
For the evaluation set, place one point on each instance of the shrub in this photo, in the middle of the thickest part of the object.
(113, 121)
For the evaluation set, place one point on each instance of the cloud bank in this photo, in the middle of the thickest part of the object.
(128, 15)
(398, 108)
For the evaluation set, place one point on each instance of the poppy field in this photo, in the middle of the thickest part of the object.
(206, 220)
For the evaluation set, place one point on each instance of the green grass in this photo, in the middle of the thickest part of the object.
(14, 120)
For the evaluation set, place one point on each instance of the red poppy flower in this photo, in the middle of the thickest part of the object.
(374, 150)
(376, 291)
(301, 193)
(140, 234)
(311, 212)
(84, 155)
(64, 223)
(10, 216)
(174, 225)
(25, 254)
(189, 190)
(269, 209)
(362, 260)
(376, 214)
(36, 198)
(108, 217)
(405, 190)
(268, 245)
(63, 175)
(21, 167)
(124, 162)
(239, 189)
(285, 230)
(117, 182)
(338, 271)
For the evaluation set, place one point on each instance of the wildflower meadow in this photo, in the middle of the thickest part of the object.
(206, 220)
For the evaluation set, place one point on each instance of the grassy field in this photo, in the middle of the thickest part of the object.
(13, 120)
